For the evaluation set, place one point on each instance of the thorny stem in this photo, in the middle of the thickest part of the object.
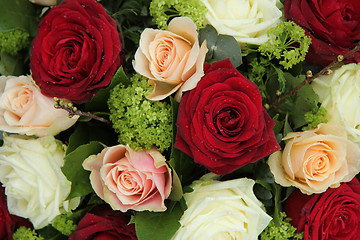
(309, 79)
(74, 111)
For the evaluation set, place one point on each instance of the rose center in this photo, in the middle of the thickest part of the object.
(18, 101)
(125, 181)
(318, 163)
(227, 121)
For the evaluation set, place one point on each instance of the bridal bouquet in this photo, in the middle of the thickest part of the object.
(174, 120)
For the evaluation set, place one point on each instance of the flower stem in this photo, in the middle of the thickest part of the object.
(309, 79)
(74, 111)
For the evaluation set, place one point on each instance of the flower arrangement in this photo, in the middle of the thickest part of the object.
(174, 120)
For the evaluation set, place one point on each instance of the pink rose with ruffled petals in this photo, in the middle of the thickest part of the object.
(127, 179)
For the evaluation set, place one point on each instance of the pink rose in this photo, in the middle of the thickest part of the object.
(172, 60)
(25, 110)
(127, 179)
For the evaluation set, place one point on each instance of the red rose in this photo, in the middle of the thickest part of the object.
(104, 223)
(334, 214)
(222, 123)
(8, 222)
(76, 51)
(333, 26)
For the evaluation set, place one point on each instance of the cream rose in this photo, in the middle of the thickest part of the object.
(339, 94)
(246, 20)
(222, 210)
(172, 60)
(44, 2)
(34, 184)
(25, 110)
(315, 160)
(127, 179)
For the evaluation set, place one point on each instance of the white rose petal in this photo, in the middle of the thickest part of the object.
(339, 94)
(222, 210)
(44, 2)
(30, 170)
(246, 20)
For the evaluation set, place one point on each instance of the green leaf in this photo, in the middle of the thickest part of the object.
(18, 14)
(10, 65)
(262, 172)
(220, 47)
(50, 233)
(158, 225)
(99, 101)
(287, 127)
(87, 132)
(227, 47)
(74, 171)
(279, 124)
(209, 34)
(262, 193)
(280, 77)
(306, 101)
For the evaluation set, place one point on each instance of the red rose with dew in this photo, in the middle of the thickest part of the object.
(333, 25)
(222, 123)
(102, 223)
(334, 214)
(8, 222)
(76, 51)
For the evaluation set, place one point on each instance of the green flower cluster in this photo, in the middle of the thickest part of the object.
(283, 231)
(316, 118)
(288, 43)
(63, 224)
(140, 122)
(163, 10)
(13, 41)
(24, 233)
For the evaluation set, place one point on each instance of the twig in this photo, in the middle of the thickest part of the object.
(310, 78)
(74, 111)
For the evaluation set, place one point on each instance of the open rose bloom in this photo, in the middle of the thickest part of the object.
(332, 25)
(30, 171)
(339, 95)
(25, 110)
(334, 214)
(222, 210)
(246, 20)
(76, 51)
(172, 60)
(127, 179)
(317, 159)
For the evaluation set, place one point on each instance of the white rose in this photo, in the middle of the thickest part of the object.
(246, 20)
(222, 210)
(30, 172)
(339, 94)
(44, 2)
(25, 110)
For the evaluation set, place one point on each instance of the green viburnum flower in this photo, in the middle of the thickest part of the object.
(315, 118)
(140, 122)
(283, 231)
(163, 10)
(281, 44)
(13, 41)
(24, 233)
(63, 224)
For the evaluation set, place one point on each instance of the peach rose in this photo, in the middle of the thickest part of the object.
(317, 159)
(172, 60)
(24, 110)
(127, 179)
